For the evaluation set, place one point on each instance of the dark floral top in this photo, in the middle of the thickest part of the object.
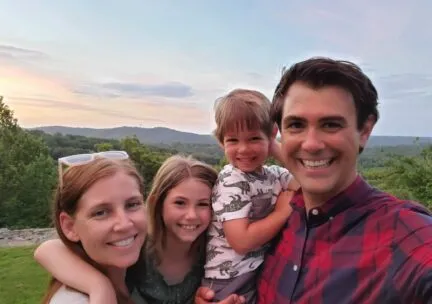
(148, 286)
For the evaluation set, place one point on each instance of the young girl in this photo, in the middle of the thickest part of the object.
(99, 215)
(170, 267)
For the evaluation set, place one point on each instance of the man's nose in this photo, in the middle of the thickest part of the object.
(312, 141)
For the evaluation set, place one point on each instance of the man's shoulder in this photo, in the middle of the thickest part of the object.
(407, 216)
(396, 205)
(70, 296)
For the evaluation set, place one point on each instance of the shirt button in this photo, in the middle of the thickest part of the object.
(331, 217)
(295, 268)
(315, 211)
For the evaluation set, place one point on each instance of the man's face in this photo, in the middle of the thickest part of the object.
(320, 139)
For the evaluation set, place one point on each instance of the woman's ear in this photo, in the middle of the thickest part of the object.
(67, 224)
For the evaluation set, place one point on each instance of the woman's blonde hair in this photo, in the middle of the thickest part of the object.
(173, 171)
(75, 181)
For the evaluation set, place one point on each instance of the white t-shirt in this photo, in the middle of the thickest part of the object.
(66, 295)
(240, 195)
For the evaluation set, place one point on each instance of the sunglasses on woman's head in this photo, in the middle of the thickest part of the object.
(82, 159)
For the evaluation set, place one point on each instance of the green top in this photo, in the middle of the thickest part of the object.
(150, 286)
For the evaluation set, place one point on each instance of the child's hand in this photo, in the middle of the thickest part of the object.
(275, 149)
(104, 294)
(283, 203)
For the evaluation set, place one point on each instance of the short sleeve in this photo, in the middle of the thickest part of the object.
(68, 296)
(282, 175)
(231, 195)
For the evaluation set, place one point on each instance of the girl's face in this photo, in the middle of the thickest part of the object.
(187, 210)
(110, 221)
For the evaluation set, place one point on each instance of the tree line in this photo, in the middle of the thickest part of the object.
(28, 168)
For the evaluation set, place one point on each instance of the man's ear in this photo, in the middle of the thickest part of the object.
(366, 131)
(67, 224)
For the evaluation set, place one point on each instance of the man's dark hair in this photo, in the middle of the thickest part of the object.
(319, 72)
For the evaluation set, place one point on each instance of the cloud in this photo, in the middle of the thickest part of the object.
(378, 31)
(135, 90)
(68, 106)
(406, 87)
(15, 53)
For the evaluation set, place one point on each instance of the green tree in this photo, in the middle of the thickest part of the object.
(146, 160)
(27, 175)
(100, 147)
(407, 177)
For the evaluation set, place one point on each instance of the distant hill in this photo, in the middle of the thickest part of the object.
(166, 136)
(152, 136)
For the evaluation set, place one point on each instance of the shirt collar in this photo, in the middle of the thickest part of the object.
(353, 195)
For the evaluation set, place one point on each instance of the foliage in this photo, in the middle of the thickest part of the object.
(22, 280)
(147, 160)
(28, 169)
(27, 175)
(407, 177)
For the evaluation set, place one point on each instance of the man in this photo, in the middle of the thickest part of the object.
(345, 241)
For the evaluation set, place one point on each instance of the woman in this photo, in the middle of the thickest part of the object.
(99, 216)
(170, 267)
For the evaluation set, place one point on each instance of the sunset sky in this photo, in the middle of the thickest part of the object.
(163, 63)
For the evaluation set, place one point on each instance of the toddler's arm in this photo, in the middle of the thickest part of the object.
(72, 271)
(244, 235)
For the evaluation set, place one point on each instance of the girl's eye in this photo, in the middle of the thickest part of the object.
(256, 138)
(204, 204)
(179, 202)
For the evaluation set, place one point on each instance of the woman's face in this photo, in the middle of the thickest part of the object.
(187, 210)
(110, 221)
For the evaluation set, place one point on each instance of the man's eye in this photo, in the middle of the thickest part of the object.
(294, 125)
(332, 125)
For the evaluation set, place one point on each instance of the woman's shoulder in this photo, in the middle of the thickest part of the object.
(67, 295)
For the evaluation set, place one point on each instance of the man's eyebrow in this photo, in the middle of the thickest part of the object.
(333, 118)
(289, 118)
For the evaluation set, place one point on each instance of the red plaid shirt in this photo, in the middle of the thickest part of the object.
(362, 246)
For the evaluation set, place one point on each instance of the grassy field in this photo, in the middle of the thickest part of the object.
(22, 280)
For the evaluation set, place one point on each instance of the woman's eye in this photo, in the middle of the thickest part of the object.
(134, 205)
(100, 213)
